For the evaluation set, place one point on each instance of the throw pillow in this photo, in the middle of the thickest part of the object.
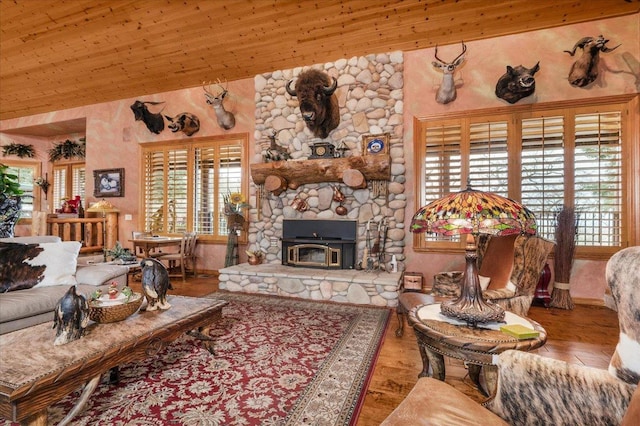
(60, 260)
(14, 273)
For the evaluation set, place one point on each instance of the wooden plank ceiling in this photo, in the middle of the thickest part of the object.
(58, 54)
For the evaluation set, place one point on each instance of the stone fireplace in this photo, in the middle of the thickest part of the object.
(370, 98)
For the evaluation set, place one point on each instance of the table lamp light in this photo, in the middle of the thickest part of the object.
(473, 213)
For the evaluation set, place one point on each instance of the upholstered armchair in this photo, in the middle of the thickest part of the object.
(533, 389)
(509, 267)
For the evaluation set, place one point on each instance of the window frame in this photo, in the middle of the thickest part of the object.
(241, 139)
(68, 167)
(37, 193)
(630, 199)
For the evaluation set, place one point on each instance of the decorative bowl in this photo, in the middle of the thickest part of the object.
(106, 313)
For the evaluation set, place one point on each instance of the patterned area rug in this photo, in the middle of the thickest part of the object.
(278, 362)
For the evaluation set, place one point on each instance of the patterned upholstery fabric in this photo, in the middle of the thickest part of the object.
(623, 277)
(536, 390)
(530, 254)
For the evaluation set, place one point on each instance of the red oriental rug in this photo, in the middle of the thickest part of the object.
(278, 361)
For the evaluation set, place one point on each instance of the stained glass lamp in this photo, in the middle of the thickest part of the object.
(473, 213)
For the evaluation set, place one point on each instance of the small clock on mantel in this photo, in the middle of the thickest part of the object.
(322, 150)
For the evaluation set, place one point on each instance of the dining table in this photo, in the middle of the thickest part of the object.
(155, 242)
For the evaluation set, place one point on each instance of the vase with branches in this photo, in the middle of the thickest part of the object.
(565, 235)
(234, 206)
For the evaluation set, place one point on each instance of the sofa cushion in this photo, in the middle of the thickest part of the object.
(97, 274)
(35, 239)
(34, 301)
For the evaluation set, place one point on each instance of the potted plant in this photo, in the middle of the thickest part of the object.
(10, 201)
(119, 253)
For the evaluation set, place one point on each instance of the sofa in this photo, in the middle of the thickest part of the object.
(533, 389)
(35, 272)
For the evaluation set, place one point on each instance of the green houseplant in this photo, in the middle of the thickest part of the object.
(10, 201)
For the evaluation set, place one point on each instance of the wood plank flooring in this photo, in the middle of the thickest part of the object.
(586, 335)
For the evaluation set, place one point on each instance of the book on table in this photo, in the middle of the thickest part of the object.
(520, 331)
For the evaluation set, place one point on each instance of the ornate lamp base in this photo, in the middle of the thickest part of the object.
(470, 306)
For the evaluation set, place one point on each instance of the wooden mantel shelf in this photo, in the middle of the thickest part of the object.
(352, 171)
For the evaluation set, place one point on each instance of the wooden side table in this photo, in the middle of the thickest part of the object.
(440, 336)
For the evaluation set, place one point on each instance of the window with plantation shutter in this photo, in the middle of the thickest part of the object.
(184, 185)
(542, 185)
(488, 170)
(78, 180)
(553, 157)
(59, 186)
(69, 180)
(442, 166)
(26, 173)
(598, 178)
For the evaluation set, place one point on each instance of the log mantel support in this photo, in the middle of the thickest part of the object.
(352, 171)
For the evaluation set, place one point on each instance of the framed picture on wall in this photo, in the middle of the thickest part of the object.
(375, 144)
(108, 183)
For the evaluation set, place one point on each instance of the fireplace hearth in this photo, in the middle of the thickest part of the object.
(317, 243)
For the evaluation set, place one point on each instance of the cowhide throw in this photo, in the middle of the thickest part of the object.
(623, 277)
(536, 390)
(29, 265)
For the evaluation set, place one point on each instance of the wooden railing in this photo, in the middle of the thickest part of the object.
(95, 233)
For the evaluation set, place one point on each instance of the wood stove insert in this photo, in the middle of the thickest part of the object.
(318, 243)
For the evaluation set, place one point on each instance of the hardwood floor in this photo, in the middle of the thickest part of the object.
(586, 335)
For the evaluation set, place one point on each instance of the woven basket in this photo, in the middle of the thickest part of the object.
(115, 313)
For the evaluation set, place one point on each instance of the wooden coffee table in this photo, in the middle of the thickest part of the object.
(35, 374)
(439, 336)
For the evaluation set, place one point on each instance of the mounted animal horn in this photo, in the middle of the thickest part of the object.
(584, 71)
(290, 91)
(328, 90)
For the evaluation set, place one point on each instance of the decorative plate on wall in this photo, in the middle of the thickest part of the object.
(375, 144)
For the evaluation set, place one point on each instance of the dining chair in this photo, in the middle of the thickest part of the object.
(186, 256)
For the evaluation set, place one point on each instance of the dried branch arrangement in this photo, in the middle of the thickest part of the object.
(565, 235)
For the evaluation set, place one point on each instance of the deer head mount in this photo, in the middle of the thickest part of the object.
(226, 120)
(447, 91)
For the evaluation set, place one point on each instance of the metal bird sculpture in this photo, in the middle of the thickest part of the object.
(155, 283)
(70, 317)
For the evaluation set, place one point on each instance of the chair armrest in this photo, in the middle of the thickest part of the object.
(432, 402)
(533, 389)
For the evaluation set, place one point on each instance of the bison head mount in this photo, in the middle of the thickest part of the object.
(517, 83)
(319, 108)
